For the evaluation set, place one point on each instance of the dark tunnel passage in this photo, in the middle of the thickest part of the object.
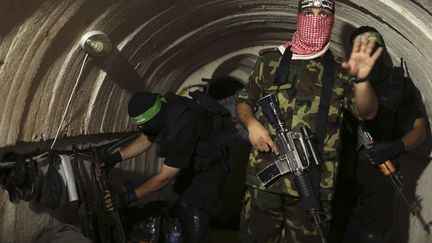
(53, 91)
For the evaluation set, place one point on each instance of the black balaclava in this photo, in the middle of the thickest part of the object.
(148, 111)
(380, 70)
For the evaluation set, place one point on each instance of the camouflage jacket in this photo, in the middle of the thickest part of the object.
(299, 101)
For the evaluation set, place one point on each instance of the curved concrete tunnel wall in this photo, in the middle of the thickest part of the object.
(164, 46)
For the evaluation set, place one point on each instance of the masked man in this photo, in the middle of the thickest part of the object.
(398, 127)
(299, 73)
(193, 136)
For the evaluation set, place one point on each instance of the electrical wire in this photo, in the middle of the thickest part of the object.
(70, 99)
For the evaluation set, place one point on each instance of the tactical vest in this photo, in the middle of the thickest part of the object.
(211, 148)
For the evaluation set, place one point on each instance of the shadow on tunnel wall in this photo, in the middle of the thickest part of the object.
(225, 89)
(66, 36)
(412, 165)
(120, 71)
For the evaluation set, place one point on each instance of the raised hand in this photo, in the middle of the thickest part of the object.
(362, 59)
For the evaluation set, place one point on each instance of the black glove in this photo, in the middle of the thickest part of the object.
(119, 200)
(107, 161)
(381, 152)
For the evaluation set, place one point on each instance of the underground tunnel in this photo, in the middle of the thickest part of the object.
(55, 94)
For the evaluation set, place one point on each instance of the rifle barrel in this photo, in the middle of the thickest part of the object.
(413, 209)
(104, 185)
(317, 221)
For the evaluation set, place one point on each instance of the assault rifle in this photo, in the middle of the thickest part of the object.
(112, 224)
(297, 153)
(84, 211)
(387, 169)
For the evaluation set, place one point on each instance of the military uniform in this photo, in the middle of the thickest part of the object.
(299, 100)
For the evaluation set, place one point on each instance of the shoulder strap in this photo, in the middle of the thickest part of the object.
(320, 129)
(282, 72)
(205, 103)
(326, 91)
(281, 77)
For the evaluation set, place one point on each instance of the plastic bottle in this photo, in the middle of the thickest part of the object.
(146, 230)
(175, 234)
(150, 229)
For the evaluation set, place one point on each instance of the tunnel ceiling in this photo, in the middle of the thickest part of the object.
(157, 46)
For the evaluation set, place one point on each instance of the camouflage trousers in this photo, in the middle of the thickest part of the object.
(270, 217)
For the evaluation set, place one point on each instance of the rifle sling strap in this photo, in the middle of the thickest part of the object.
(281, 77)
(282, 72)
(324, 106)
(321, 122)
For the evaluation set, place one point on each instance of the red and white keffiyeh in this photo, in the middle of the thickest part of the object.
(312, 34)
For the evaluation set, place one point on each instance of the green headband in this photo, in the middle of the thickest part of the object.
(151, 112)
(377, 36)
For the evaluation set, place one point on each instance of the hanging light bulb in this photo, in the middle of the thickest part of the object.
(96, 43)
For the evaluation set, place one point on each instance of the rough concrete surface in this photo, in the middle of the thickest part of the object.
(158, 45)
